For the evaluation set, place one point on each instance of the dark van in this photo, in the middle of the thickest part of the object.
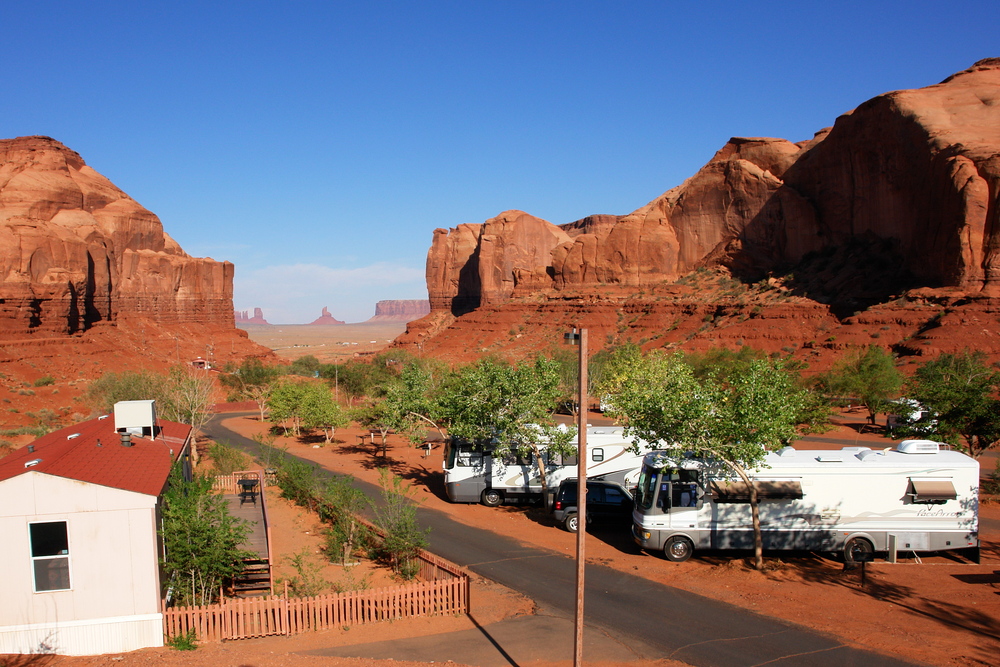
(607, 502)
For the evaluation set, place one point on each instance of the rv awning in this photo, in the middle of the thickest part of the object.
(737, 492)
(931, 490)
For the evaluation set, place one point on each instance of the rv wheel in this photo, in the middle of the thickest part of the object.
(491, 498)
(678, 549)
(858, 550)
(572, 522)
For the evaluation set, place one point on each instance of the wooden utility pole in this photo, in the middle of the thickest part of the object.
(579, 336)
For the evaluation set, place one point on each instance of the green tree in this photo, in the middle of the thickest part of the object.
(183, 395)
(307, 366)
(201, 540)
(396, 517)
(735, 421)
(868, 375)
(318, 410)
(493, 401)
(285, 404)
(960, 392)
(252, 381)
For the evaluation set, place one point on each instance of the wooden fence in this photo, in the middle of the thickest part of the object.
(242, 618)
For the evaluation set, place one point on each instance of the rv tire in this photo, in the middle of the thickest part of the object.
(572, 522)
(678, 549)
(857, 550)
(491, 498)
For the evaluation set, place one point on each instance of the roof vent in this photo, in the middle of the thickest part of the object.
(72, 435)
(103, 417)
(830, 459)
(786, 452)
(32, 462)
(918, 447)
(126, 439)
(867, 454)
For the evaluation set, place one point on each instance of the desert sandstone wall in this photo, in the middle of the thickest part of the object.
(76, 251)
(915, 173)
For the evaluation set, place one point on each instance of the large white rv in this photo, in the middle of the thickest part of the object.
(854, 500)
(473, 474)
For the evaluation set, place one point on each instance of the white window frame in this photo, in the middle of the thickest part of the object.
(63, 556)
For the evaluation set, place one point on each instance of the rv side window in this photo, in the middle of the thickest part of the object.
(597, 454)
(570, 460)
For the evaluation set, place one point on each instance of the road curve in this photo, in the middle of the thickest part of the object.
(658, 621)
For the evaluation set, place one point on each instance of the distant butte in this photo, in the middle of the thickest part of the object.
(401, 310)
(326, 318)
(242, 317)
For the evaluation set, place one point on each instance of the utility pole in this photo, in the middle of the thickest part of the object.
(579, 337)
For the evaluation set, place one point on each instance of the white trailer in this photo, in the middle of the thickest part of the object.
(916, 497)
(473, 474)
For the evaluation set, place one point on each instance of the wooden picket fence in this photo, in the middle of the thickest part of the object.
(242, 618)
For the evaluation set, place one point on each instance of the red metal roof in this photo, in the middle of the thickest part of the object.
(91, 451)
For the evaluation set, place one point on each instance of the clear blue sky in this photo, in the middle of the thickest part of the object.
(317, 145)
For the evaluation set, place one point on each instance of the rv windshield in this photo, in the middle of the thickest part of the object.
(646, 489)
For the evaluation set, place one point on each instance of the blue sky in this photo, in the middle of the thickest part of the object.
(317, 145)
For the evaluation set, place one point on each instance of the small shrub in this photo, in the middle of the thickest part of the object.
(308, 580)
(44, 381)
(25, 392)
(227, 458)
(185, 642)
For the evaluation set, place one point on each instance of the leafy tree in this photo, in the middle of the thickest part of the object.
(285, 404)
(868, 375)
(735, 421)
(307, 366)
(493, 401)
(227, 459)
(201, 540)
(183, 395)
(960, 392)
(396, 516)
(252, 381)
(340, 504)
(317, 409)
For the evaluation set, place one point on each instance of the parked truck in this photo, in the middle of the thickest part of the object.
(473, 473)
(918, 497)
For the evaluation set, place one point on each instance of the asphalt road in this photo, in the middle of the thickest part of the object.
(654, 620)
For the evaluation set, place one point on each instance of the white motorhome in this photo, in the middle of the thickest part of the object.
(916, 497)
(472, 474)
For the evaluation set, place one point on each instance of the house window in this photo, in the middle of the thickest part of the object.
(50, 556)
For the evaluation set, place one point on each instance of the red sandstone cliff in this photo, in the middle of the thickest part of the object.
(243, 317)
(76, 251)
(917, 172)
(900, 196)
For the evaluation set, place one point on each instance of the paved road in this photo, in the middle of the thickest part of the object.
(654, 620)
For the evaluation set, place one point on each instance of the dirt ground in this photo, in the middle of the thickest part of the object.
(330, 344)
(942, 610)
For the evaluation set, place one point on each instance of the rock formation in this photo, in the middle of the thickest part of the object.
(400, 310)
(916, 172)
(326, 318)
(900, 195)
(243, 317)
(75, 251)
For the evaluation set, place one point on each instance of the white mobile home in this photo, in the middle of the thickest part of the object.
(473, 474)
(80, 551)
(855, 500)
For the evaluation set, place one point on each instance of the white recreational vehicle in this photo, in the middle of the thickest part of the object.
(916, 497)
(472, 474)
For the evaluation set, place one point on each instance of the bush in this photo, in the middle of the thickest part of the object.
(45, 381)
(185, 642)
(227, 458)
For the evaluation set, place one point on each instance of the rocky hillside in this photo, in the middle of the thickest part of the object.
(90, 282)
(884, 228)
